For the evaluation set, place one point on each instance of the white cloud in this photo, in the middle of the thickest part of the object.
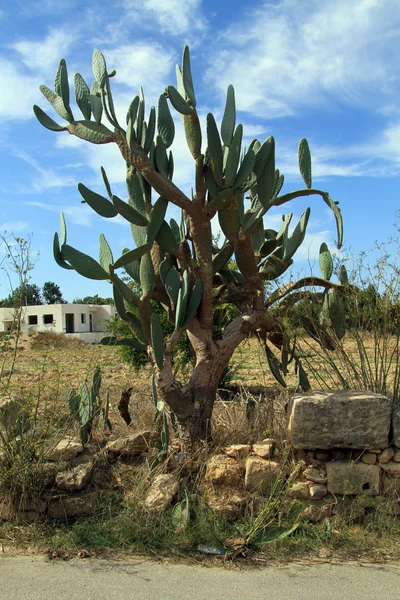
(14, 226)
(287, 54)
(174, 17)
(78, 214)
(143, 64)
(48, 178)
(19, 94)
(43, 54)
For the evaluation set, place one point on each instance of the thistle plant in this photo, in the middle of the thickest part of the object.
(177, 264)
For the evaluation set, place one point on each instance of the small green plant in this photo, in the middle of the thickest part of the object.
(86, 407)
(163, 445)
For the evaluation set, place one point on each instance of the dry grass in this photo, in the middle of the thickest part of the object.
(47, 367)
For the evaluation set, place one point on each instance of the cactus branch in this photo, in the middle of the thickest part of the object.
(163, 186)
(291, 286)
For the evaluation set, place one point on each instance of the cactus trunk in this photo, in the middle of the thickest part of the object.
(195, 425)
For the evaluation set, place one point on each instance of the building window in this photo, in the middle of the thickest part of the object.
(83, 318)
(32, 320)
(47, 319)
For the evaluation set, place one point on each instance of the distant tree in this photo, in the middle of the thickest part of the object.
(93, 300)
(28, 295)
(52, 293)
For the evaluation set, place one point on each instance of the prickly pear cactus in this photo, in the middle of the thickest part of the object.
(178, 265)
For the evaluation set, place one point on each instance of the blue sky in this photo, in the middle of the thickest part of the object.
(328, 71)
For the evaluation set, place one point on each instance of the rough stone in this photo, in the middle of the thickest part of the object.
(391, 468)
(342, 419)
(77, 476)
(396, 425)
(265, 449)
(79, 505)
(237, 450)
(27, 516)
(318, 491)
(386, 456)
(353, 478)
(396, 456)
(223, 470)
(65, 449)
(261, 475)
(226, 504)
(299, 490)
(161, 492)
(315, 475)
(323, 456)
(338, 454)
(369, 458)
(133, 444)
(37, 505)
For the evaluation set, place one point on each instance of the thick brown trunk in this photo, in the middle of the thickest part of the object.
(194, 422)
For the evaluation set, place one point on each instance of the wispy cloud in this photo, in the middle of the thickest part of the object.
(173, 17)
(14, 226)
(48, 178)
(19, 94)
(42, 54)
(78, 214)
(289, 54)
(142, 64)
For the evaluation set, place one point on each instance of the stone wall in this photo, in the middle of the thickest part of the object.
(340, 445)
(349, 442)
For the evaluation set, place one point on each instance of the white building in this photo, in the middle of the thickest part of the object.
(85, 321)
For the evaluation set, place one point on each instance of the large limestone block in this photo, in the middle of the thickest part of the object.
(322, 420)
(352, 478)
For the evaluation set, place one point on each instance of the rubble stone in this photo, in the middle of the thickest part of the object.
(261, 474)
(65, 449)
(133, 444)
(315, 475)
(78, 505)
(265, 449)
(237, 450)
(369, 458)
(77, 476)
(318, 491)
(161, 493)
(386, 456)
(223, 470)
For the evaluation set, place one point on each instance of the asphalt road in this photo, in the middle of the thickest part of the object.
(27, 578)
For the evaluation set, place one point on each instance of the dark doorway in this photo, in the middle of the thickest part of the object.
(90, 322)
(69, 323)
